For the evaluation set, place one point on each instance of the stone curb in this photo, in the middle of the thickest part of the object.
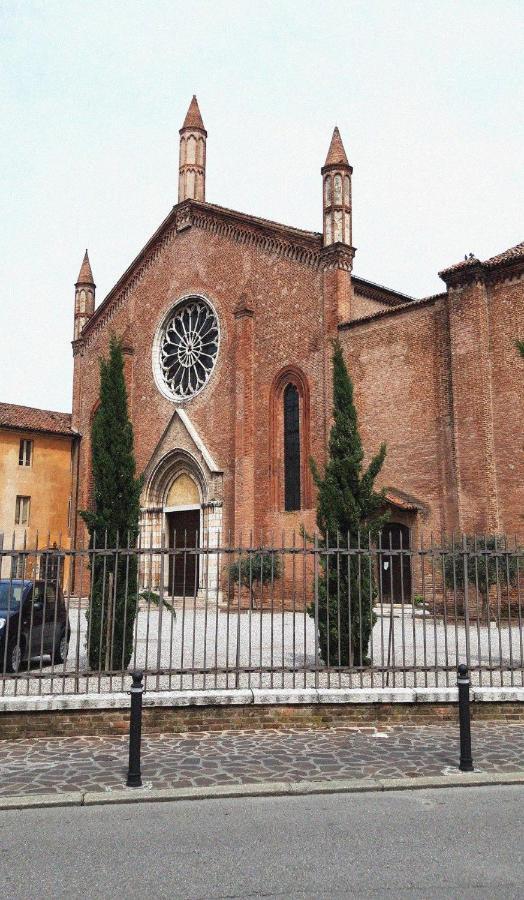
(260, 697)
(264, 789)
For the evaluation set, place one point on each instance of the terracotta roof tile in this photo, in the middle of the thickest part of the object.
(193, 118)
(508, 256)
(402, 500)
(85, 276)
(513, 253)
(27, 418)
(463, 264)
(336, 153)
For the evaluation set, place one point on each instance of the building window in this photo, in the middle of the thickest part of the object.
(289, 441)
(185, 349)
(17, 568)
(25, 453)
(291, 448)
(22, 510)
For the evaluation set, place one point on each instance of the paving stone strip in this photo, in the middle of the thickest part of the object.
(98, 764)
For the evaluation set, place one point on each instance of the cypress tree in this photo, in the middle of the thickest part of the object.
(348, 511)
(520, 347)
(113, 522)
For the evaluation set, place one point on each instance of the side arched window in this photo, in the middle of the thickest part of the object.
(291, 448)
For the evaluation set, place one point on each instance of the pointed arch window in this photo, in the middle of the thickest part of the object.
(291, 448)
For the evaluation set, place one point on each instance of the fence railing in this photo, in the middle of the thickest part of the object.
(205, 614)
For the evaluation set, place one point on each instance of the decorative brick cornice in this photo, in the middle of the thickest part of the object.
(183, 218)
(270, 237)
(337, 256)
(127, 283)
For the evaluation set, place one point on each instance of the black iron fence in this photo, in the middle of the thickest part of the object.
(207, 614)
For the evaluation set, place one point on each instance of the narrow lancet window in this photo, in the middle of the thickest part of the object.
(291, 448)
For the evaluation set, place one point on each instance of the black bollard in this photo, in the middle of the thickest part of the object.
(463, 684)
(134, 777)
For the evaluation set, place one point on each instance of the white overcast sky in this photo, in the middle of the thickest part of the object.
(428, 97)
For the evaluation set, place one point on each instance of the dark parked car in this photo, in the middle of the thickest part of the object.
(33, 623)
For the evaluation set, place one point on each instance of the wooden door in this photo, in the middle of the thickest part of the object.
(184, 536)
(396, 567)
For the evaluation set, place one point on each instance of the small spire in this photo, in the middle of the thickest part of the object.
(336, 153)
(85, 276)
(193, 118)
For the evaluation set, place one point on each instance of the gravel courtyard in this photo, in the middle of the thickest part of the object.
(209, 637)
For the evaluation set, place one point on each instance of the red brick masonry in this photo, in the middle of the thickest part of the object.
(166, 719)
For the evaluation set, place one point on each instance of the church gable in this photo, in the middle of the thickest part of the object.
(251, 233)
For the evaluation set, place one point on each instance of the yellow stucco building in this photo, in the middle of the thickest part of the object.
(36, 457)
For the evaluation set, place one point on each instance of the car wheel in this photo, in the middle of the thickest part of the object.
(62, 648)
(14, 657)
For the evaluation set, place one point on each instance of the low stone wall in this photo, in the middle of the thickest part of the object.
(198, 711)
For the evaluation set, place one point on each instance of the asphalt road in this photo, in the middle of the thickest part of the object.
(460, 842)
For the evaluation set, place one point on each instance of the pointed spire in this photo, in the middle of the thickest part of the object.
(336, 153)
(84, 296)
(85, 276)
(193, 118)
(336, 191)
(192, 159)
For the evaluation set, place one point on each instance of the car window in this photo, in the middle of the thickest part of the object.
(10, 595)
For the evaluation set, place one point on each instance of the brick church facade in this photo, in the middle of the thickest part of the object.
(227, 322)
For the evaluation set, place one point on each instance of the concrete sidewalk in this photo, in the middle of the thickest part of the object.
(51, 771)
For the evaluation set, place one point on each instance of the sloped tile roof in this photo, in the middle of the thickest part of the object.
(513, 255)
(463, 264)
(402, 500)
(27, 418)
(516, 252)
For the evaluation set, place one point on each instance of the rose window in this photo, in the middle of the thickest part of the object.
(188, 347)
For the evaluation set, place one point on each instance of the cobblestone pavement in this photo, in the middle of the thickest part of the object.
(48, 765)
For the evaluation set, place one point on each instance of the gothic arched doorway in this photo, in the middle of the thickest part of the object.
(182, 509)
(395, 567)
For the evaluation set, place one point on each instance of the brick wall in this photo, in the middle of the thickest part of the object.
(506, 324)
(158, 720)
(396, 363)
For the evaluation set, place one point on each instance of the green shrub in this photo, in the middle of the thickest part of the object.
(487, 562)
(256, 568)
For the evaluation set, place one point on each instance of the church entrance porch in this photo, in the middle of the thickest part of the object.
(183, 528)
(178, 514)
